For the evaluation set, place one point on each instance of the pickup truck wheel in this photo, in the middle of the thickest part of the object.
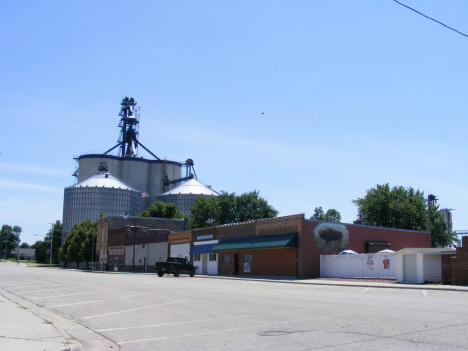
(176, 273)
(192, 274)
(160, 274)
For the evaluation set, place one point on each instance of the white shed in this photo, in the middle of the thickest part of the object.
(419, 265)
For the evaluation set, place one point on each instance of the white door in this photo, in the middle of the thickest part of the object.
(409, 268)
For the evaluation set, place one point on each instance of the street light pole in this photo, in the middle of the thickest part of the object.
(17, 249)
(51, 241)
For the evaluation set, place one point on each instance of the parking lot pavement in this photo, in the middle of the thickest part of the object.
(29, 327)
(142, 311)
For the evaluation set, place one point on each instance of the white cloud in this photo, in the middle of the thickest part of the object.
(22, 186)
(39, 171)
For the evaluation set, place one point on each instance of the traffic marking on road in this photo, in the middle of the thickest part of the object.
(365, 290)
(133, 309)
(51, 297)
(424, 292)
(51, 290)
(232, 329)
(22, 287)
(196, 321)
(81, 303)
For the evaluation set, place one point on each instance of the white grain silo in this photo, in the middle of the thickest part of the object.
(100, 193)
(185, 195)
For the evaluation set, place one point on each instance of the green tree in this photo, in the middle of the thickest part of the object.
(229, 208)
(73, 249)
(251, 206)
(402, 208)
(9, 237)
(159, 209)
(56, 234)
(440, 236)
(318, 214)
(332, 215)
(24, 246)
(203, 213)
(6, 238)
(41, 252)
(89, 244)
(399, 207)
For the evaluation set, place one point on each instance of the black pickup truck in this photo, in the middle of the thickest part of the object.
(175, 265)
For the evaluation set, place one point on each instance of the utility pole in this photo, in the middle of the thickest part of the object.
(430, 199)
(17, 250)
(448, 221)
(134, 224)
(51, 241)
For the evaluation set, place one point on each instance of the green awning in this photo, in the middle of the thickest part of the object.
(258, 242)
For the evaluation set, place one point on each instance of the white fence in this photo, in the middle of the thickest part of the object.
(376, 265)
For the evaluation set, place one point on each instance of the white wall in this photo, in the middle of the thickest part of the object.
(156, 250)
(363, 266)
(420, 263)
(180, 250)
(432, 268)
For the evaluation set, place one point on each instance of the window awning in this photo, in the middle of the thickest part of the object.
(202, 249)
(258, 242)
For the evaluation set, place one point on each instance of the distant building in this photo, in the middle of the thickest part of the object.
(114, 241)
(25, 254)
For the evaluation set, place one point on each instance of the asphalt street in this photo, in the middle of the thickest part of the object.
(145, 312)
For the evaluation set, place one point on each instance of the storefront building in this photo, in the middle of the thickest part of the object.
(284, 246)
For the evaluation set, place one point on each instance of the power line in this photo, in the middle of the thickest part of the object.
(430, 18)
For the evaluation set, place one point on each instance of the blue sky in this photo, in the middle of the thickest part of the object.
(354, 94)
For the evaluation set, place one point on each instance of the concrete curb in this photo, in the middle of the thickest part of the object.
(322, 282)
(350, 283)
(285, 280)
(76, 336)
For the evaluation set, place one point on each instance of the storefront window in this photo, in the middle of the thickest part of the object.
(226, 259)
(196, 257)
(212, 257)
(247, 258)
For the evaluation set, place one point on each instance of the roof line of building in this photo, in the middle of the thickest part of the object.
(371, 226)
(133, 159)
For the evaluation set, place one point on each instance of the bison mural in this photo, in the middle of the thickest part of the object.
(331, 236)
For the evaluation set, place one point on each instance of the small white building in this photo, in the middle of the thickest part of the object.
(204, 260)
(419, 265)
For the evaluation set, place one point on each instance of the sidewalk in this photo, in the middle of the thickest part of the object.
(338, 282)
(26, 326)
(362, 283)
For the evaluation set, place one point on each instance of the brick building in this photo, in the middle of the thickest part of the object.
(284, 246)
(459, 264)
(115, 234)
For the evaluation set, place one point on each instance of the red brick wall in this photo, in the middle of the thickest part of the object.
(236, 230)
(309, 256)
(460, 264)
(116, 237)
(280, 262)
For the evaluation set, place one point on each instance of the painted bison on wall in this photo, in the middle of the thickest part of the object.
(331, 236)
